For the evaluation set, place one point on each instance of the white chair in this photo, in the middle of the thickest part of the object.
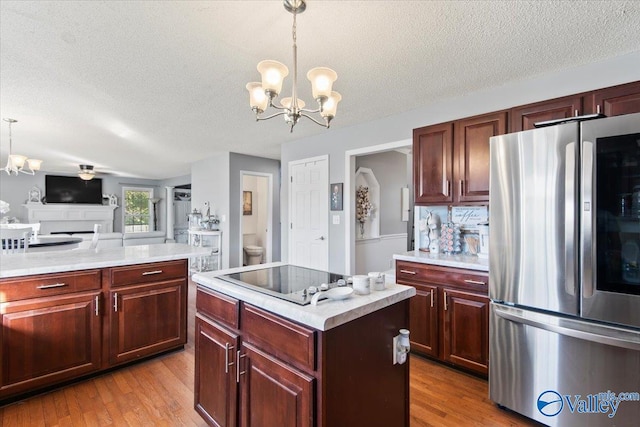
(15, 240)
(96, 235)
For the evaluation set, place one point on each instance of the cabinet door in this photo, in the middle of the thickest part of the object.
(146, 319)
(472, 155)
(432, 163)
(273, 393)
(524, 117)
(215, 388)
(466, 330)
(615, 101)
(423, 320)
(48, 340)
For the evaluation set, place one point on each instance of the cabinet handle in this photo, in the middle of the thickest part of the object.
(474, 282)
(577, 113)
(445, 301)
(407, 272)
(55, 285)
(431, 294)
(238, 373)
(146, 273)
(227, 347)
(446, 187)
(461, 186)
(115, 302)
(97, 302)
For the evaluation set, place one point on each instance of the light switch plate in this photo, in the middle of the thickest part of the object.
(336, 219)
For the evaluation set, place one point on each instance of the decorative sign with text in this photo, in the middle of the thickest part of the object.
(469, 215)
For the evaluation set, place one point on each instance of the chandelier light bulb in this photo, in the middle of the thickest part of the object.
(261, 95)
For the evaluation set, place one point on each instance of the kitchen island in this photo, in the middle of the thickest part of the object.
(68, 314)
(262, 360)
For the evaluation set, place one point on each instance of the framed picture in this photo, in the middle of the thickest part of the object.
(336, 196)
(247, 203)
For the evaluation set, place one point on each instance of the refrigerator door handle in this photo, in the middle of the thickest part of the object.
(616, 341)
(570, 218)
(586, 256)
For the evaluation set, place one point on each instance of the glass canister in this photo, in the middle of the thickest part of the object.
(450, 238)
(195, 219)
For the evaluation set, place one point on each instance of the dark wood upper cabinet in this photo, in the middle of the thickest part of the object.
(524, 117)
(471, 155)
(432, 163)
(614, 101)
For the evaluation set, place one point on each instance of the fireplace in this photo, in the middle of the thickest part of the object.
(70, 218)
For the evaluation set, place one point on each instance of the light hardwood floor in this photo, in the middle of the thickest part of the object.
(159, 392)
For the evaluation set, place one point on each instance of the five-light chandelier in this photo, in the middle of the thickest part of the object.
(261, 95)
(16, 162)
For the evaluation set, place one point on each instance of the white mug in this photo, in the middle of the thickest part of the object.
(361, 284)
(377, 281)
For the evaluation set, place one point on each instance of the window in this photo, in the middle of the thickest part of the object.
(136, 212)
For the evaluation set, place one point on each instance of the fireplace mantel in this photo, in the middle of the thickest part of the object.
(70, 217)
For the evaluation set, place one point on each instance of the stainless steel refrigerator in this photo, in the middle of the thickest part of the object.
(564, 275)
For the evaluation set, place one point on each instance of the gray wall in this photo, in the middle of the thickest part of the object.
(337, 140)
(390, 169)
(241, 162)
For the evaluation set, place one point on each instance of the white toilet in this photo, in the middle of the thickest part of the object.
(252, 252)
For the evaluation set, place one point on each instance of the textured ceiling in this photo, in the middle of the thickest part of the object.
(145, 88)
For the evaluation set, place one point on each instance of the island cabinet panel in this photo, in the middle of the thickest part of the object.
(455, 330)
(272, 392)
(466, 330)
(48, 340)
(146, 319)
(284, 339)
(289, 374)
(147, 273)
(45, 285)
(215, 386)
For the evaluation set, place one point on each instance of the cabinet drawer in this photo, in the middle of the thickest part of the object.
(286, 340)
(145, 273)
(45, 285)
(411, 273)
(218, 307)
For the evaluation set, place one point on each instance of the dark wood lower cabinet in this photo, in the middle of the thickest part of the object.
(289, 375)
(147, 319)
(49, 340)
(453, 327)
(466, 330)
(62, 326)
(272, 393)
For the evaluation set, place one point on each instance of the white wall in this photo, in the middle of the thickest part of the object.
(336, 141)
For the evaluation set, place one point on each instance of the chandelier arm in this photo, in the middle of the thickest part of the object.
(281, 113)
(326, 125)
(310, 111)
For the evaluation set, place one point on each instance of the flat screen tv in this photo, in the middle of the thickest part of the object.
(71, 189)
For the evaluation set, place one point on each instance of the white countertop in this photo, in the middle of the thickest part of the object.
(326, 315)
(470, 262)
(14, 265)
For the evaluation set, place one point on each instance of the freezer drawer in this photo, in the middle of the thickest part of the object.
(562, 371)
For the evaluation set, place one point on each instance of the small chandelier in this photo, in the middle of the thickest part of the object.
(86, 172)
(261, 95)
(16, 162)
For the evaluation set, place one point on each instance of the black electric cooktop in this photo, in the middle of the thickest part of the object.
(288, 282)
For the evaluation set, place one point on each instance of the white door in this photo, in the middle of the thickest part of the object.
(309, 213)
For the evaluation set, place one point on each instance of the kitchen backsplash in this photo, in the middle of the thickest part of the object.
(466, 217)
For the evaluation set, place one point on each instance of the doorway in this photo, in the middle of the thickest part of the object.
(255, 218)
(351, 229)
